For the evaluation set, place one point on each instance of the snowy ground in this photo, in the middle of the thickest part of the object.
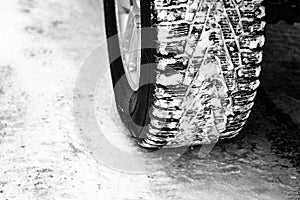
(43, 153)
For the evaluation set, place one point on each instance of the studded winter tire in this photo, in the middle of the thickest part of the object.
(184, 72)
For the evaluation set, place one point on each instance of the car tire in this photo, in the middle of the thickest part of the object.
(199, 79)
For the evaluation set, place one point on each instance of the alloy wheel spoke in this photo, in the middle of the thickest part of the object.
(125, 4)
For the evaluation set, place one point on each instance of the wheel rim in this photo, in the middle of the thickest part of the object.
(128, 22)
